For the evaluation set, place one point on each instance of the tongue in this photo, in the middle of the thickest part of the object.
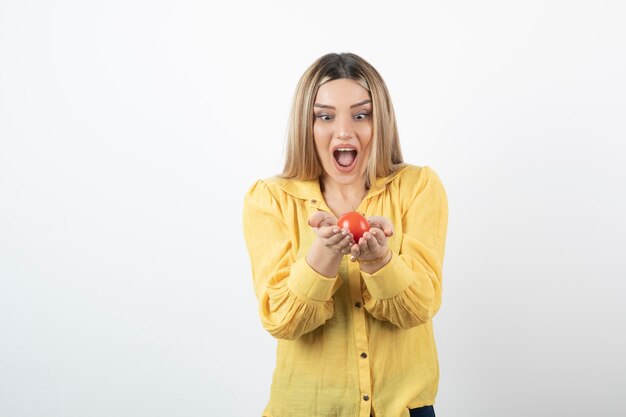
(346, 158)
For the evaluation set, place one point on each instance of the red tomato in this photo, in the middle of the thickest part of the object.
(355, 222)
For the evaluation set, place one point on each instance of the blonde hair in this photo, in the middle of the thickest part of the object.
(301, 160)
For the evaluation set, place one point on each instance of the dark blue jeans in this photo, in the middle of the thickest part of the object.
(426, 411)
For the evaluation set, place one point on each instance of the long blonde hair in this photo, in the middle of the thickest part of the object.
(301, 160)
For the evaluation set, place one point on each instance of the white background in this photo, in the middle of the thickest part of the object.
(130, 131)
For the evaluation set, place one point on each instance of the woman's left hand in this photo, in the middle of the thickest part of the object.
(373, 244)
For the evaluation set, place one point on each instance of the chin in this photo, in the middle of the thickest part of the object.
(355, 177)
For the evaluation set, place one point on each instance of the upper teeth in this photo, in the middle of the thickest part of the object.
(344, 149)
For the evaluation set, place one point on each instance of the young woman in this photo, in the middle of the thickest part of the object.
(352, 319)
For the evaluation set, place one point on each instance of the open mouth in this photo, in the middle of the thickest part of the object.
(345, 157)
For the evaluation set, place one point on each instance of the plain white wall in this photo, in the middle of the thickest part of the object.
(130, 131)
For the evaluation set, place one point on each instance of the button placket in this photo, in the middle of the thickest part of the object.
(361, 344)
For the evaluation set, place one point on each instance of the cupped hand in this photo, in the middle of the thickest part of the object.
(322, 219)
(373, 244)
(334, 238)
(382, 223)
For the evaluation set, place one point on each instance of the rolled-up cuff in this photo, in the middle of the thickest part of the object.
(308, 284)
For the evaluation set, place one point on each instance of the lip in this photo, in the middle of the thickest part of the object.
(344, 146)
(342, 169)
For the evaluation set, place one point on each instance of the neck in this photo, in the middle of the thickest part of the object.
(336, 193)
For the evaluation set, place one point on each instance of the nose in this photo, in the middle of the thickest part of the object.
(344, 128)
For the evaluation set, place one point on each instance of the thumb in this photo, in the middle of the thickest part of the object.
(382, 223)
(317, 218)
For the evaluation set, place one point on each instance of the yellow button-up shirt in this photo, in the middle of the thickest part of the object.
(355, 344)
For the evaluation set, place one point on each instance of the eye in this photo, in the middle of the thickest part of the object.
(361, 116)
(324, 117)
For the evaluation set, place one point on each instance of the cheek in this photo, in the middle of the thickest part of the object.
(318, 127)
(320, 136)
(365, 134)
(316, 132)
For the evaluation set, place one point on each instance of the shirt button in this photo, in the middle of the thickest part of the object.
(364, 355)
(366, 397)
(314, 201)
(358, 305)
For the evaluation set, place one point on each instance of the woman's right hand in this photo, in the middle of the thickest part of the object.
(331, 245)
(335, 239)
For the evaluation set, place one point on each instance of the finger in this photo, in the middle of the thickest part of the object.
(382, 223)
(328, 231)
(372, 243)
(354, 252)
(316, 218)
(347, 246)
(342, 247)
(327, 222)
(322, 218)
(379, 235)
(363, 246)
(338, 240)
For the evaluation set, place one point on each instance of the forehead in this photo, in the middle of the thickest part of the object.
(341, 92)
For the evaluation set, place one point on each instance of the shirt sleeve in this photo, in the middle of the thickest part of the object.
(293, 298)
(407, 291)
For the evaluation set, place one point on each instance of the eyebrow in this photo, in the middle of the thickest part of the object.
(325, 106)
